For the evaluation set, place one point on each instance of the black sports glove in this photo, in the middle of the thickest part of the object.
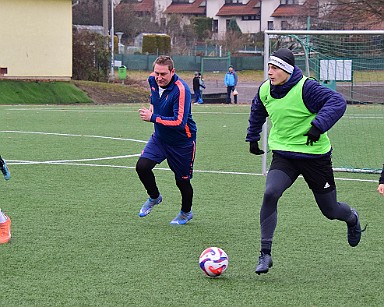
(313, 135)
(254, 148)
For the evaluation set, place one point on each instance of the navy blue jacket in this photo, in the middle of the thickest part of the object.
(172, 115)
(328, 105)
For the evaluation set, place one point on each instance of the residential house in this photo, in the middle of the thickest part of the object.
(252, 16)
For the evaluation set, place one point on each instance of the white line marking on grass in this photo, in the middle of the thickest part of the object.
(75, 135)
(363, 117)
(71, 162)
(74, 110)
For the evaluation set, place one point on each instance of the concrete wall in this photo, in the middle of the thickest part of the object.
(36, 39)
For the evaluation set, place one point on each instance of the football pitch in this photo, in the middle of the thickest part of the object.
(77, 239)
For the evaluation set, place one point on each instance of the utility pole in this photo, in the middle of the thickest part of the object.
(112, 42)
(105, 17)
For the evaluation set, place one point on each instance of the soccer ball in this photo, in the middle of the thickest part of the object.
(213, 261)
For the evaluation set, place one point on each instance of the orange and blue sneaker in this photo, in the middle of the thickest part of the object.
(182, 218)
(4, 169)
(5, 231)
(149, 204)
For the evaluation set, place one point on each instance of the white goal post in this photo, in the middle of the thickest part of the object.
(351, 62)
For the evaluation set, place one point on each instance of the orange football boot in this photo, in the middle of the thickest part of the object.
(5, 231)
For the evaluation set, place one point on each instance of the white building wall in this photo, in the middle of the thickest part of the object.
(267, 9)
(160, 7)
(213, 6)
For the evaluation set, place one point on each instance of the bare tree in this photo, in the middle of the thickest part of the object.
(356, 7)
(366, 13)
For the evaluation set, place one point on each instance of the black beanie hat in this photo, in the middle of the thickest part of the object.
(284, 59)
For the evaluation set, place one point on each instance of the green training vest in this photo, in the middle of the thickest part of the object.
(290, 120)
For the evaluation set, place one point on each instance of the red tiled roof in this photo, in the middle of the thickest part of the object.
(144, 6)
(194, 8)
(240, 9)
(294, 10)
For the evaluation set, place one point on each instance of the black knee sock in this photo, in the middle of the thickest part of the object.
(144, 168)
(186, 191)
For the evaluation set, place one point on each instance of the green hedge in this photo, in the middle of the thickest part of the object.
(156, 44)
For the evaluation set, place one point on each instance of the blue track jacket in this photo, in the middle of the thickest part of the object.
(172, 115)
(230, 79)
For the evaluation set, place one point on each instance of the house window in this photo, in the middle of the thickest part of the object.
(284, 25)
(288, 1)
(3, 71)
(180, 1)
(270, 25)
(233, 1)
(215, 26)
(250, 17)
(163, 22)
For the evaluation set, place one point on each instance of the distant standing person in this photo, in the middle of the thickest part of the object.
(202, 87)
(230, 81)
(301, 112)
(196, 88)
(380, 189)
(174, 138)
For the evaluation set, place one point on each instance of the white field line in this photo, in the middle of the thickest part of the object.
(63, 109)
(74, 135)
(73, 162)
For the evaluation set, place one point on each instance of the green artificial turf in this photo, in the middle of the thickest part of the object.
(77, 240)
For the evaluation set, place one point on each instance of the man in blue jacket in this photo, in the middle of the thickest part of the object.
(301, 112)
(174, 138)
(230, 81)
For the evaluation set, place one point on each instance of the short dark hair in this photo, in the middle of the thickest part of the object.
(164, 60)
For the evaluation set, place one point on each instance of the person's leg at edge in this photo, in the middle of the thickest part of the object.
(276, 183)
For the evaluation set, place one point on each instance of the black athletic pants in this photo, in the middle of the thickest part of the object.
(319, 177)
(144, 168)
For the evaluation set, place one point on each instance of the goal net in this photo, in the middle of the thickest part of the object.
(351, 63)
(215, 64)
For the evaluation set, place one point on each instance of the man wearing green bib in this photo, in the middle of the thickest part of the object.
(301, 112)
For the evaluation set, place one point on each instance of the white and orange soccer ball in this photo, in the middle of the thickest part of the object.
(213, 261)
